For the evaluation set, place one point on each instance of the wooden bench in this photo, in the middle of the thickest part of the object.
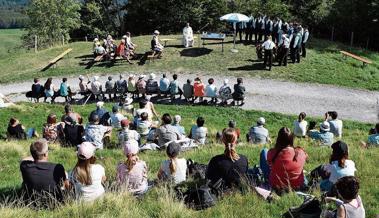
(151, 56)
(56, 59)
(363, 60)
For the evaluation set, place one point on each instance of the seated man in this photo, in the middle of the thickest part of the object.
(37, 90)
(259, 134)
(156, 46)
(199, 132)
(325, 137)
(42, 180)
(102, 113)
(152, 85)
(167, 132)
(188, 40)
(99, 52)
(110, 87)
(95, 133)
(164, 85)
(121, 85)
(95, 87)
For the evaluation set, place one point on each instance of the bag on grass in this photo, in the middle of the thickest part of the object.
(205, 196)
(196, 170)
(311, 208)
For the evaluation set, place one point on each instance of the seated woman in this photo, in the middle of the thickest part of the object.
(175, 169)
(286, 163)
(300, 126)
(349, 203)
(37, 90)
(16, 130)
(339, 166)
(373, 138)
(156, 46)
(123, 51)
(50, 128)
(49, 90)
(87, 176)
(198, 90)
(132, 174)
(199, 132)
(231, 167)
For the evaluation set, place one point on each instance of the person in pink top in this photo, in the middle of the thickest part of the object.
(286, 163)
(198, 89)
(132, 174)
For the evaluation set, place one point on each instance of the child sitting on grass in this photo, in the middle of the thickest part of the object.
(174, 169)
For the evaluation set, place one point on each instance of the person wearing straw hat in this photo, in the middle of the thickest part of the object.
(132, 173)
(87, 176)
(325, 137)
(156, 46)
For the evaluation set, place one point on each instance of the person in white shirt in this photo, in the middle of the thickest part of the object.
(300, 126)
(174, 169)
(95, 86)
(304, 42)
(87, 176)
(211, 91)
(128, 41)
(268, 46)
(336, 125)
(188, 40)
(284, 49)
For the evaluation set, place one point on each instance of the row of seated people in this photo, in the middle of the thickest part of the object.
(337, 176)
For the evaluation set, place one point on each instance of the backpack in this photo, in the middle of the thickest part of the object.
(205, 196)
(73, 134)
(310, 208)
(50, 133)
(196, 170)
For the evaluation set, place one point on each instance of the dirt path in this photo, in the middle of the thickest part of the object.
(270, 95)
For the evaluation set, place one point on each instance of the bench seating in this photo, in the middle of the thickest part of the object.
(363, 60)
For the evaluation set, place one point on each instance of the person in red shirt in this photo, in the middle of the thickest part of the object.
(198, 89)
(286, 163)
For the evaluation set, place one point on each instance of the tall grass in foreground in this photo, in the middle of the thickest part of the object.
(159, 202)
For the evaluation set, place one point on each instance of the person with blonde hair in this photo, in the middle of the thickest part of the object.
(87, 176)
(174, 169)
(230, 166)
(132, 173)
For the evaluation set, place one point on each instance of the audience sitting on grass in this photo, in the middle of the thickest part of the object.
(132, 173)
(126, 134)
(116, 117)
(174, 169)
(102, 113)
(324, 136)
(95, 132)
(69, 112)
(87, 176)
(167, 132)
(286, 163)
(144, 126)
(258, 134)
(373, 138)
(176, 124)
(50, 129)
(335, 124)
(198, 132)
(300, 126)
(16, 131)
(230, 166)
(43, 181)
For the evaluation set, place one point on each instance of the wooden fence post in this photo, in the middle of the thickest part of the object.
(367, 42)
(35, 44)
(332, 37)
(352, 39)
(63, 40)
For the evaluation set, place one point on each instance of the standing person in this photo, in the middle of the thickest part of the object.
(64, 89)
(304, 42)
(262, 24)
(240, 29)
(110, 87)
(174, 169)
(239, 92)
(42, 180)
(284, 49)
(188, 40)
(286, 163)
(258, 134)
(211, 91)
(198, 89)
(87, 176)
(249, 29)
(49, 90)
(268, 46)
(132, 173)
(336, 125)
(295, 46)
(164, 85)
(188, 91)
(156, 46)
(300, 125)
(230, 166)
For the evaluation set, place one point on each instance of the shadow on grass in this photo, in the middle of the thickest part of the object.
(250, 67)
(195, 52)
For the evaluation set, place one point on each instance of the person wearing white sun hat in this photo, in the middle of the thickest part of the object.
(87, 176)
(325, 137)
(156, 46)
(259, 134)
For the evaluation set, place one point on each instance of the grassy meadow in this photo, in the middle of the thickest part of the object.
(159, 202)
(324, 63)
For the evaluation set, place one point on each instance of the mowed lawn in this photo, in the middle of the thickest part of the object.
(10, 42)
(324, 63)
(159, 202)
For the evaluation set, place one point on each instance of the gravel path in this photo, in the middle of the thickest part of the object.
(270, 95)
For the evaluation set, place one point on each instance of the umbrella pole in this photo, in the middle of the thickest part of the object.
(234, 40)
